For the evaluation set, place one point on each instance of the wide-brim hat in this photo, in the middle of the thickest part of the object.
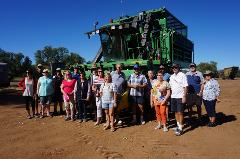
(208, 72)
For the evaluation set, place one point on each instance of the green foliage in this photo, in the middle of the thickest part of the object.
(57, 55)
(211, 66)
(17, 63)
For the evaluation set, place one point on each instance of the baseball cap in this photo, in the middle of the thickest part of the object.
(58, 69)
(136, 66)
(175, 65)
(192, 65)
(39, 65)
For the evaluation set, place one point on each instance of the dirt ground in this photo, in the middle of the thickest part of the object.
(55, 138)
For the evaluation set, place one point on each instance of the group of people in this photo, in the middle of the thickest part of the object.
(162, 91)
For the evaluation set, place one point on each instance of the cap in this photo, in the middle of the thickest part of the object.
(45, 70)
(208, 72)
(161, 66)
(39, 65)
(192, 65)
(175, 65)
(58, 69)
(136, 66)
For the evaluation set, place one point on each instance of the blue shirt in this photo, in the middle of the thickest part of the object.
(194, 79)
(166, 77)
(76, 76)
(46, 86)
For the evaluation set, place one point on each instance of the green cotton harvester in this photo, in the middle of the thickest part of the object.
(149, 38)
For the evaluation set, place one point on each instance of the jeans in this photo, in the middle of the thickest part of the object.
(82, 114)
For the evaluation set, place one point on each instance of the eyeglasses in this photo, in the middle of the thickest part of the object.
(100, 71)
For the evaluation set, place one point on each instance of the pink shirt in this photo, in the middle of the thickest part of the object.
(68, 86)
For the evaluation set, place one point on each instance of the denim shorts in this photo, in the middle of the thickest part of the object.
(107, 105)
(137, 100)
(45, 99)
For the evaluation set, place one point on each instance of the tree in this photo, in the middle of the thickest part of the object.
(211, 66)
(74, 58)
(27, 63)
(50, 55)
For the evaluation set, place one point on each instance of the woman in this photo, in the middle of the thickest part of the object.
(67, 88)
(82, 94)
(108, 93)
(159, 97)
(211, 91)
(96, 87)
(58, 96)
(28, 85)
(45, 91)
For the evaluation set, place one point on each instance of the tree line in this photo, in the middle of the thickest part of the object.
(18, 63)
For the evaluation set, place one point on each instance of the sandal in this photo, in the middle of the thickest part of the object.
(112, 129)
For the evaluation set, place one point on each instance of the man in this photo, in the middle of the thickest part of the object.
(58, 96)
(76, 74)
(194, 96)
(137, 82)
(166, 76)
(119, 79)
(178, 83)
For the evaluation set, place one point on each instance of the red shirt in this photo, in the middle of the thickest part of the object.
(68, 86)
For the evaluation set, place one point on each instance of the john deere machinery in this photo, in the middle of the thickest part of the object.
(149, 38)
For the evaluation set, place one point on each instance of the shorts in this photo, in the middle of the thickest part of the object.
(194, 99)
(176, 105)
(107, 105)
(57, 98)
(137, 100)
(45, 99)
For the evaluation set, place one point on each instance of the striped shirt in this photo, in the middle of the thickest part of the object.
(136, 80)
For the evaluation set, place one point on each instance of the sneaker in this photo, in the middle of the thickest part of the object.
(175, 128)
(84, 120)
(209, 124)
(165, 129)
(80, 120)
(178, 132)
(158, 127)
(66, 118)
(143, 122)
(119, 122)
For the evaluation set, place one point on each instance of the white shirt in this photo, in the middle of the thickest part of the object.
(178, 82)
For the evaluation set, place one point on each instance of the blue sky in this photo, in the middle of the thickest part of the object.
(29, 25)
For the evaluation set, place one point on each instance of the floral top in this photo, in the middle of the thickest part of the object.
(211, 89)
(159, 90)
